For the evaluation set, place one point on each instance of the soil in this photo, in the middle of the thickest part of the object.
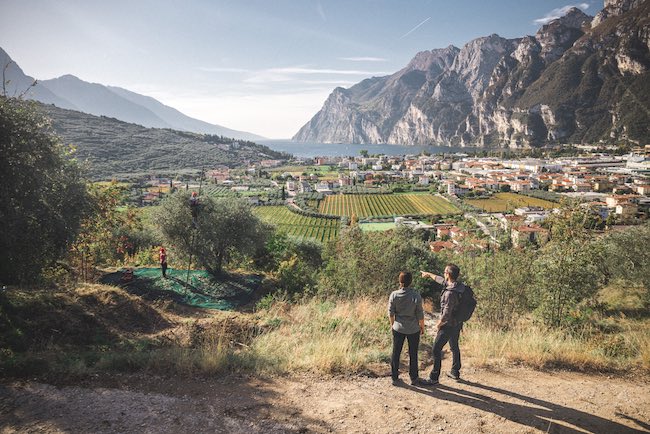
(511, 400)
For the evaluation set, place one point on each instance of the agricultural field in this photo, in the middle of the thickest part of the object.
(299, 226)
(377, 227)
(502, 202)
(219, 191)
(367, 205)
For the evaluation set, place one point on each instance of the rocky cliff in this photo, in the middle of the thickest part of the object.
(577, 79)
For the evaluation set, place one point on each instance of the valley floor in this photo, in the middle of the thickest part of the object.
(511, 400)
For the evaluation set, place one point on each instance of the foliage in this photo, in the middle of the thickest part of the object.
(223, 226)
(42, 194)
(293, 262)
(566, 274)
(626, 256)
(572, 222)
(369, 262)
(501, 283)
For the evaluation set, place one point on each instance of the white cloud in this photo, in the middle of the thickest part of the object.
(559, 12)
(219, 69)
(364, 59)
(300, 70)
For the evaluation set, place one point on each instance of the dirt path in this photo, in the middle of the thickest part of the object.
(509, 401)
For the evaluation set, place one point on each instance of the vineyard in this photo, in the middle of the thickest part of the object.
(300, 226)
(219, 191)
(367, 205)
(501, 202)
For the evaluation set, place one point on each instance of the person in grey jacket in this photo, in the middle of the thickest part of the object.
(407, 323)
(448, 327)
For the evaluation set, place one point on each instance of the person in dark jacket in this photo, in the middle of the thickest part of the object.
(448, 327)
(407, 323)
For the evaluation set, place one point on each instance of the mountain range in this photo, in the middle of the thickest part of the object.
(70, 92)
(578, 79)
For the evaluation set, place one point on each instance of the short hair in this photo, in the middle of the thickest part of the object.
(405, 278)
(454, 270)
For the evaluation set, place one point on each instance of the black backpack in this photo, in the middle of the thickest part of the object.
(466, 305)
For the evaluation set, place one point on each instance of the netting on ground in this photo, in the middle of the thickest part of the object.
(202, 290)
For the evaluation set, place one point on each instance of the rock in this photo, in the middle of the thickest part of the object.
(517, 92)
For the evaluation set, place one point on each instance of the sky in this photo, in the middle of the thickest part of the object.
(261, 66)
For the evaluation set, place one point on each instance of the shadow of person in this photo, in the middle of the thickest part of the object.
(636, 421)
(534, 412)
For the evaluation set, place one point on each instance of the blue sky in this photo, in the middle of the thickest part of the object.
(263, 66)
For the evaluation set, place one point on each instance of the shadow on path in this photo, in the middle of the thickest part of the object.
(533, 412)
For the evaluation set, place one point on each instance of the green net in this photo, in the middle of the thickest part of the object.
(202, 290)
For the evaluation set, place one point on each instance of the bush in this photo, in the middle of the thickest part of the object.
(369, 263)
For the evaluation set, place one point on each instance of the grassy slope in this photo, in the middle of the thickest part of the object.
(98, 328)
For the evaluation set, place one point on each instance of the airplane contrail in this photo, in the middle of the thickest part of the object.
(414, 29)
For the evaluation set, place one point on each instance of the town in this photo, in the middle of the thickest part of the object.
(465, 202)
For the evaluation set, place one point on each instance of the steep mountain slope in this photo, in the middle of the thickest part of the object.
(16, 83)
(73, 93)
(177, 119)
(573, 81)
(115, 148)
(98, 100)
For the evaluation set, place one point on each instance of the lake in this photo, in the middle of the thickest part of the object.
(308, 150)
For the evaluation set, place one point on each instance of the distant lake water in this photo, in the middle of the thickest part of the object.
(308, 150)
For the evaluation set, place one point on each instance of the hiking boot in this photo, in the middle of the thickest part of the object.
(396, 381)
(421, 382)
(433, 382)
(454, 376)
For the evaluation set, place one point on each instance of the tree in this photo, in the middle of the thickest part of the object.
(566, 273)
(360, 263)
(108, 233)
(42, 193)
(223, 225)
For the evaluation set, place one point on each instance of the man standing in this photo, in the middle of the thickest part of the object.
(163, 262)
(448, 327)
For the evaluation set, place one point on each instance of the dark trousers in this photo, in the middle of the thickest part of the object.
(451, 335)
(164, 269)
(398, 343)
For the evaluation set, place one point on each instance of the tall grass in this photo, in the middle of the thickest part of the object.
(343, 336)
(323, 336)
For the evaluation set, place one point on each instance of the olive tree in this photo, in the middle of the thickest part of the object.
(221, 227)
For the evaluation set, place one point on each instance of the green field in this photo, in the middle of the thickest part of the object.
(376, 227)
(296, 225)
(367, 205)
(502, 202)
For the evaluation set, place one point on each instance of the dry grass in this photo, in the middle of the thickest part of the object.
(538, 347)
(318, 336)
(323, 336)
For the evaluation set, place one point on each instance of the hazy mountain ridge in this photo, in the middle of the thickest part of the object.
(559, 85)
(70, 92)
(117, 148)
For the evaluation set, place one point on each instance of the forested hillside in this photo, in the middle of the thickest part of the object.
(119, 149)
